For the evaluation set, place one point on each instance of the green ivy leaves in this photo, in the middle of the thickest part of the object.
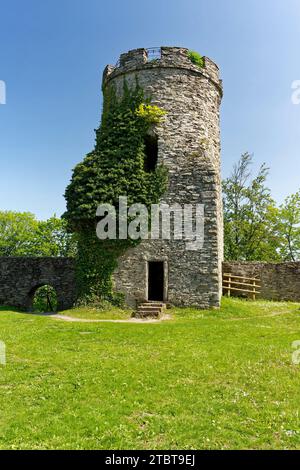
(115, 168)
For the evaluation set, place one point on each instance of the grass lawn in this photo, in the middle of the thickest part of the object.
(208, 380)
(93, 314)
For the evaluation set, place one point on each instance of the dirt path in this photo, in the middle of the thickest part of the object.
(57, 316)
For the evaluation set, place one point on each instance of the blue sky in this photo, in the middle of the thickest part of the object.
(52, 55)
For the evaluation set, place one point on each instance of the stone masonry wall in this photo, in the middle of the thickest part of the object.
(20, 277)
(189, 147)
(279, 281)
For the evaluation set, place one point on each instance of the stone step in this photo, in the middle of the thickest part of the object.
(150, 309)
(147, 314)
(153, 304)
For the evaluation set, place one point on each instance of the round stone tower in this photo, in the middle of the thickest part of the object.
(187, 143)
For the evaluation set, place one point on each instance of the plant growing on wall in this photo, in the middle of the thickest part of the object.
(116, 167)
(150, 113)
(196, 58)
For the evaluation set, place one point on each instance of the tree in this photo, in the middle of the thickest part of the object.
(249, 214)
(289, 228)
(54, 239)
(17, 233)
(21, 234)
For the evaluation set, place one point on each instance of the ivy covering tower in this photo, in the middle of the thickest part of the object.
(117, 167)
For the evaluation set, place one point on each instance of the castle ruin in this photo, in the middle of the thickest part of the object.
(187, 143)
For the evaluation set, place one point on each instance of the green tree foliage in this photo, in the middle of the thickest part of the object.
(289, 228)
(54, 238)
(17, 233)
(250, 214)
(21, 234)
(116, 167)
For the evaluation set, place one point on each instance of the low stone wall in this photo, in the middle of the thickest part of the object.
(20, 277)
(279, 281)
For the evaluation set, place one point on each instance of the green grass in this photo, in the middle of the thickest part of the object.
(206, 380)
(113, 313)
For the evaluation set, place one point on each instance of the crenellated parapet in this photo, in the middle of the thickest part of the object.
(161, 57)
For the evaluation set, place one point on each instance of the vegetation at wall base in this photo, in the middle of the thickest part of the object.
(95, 262)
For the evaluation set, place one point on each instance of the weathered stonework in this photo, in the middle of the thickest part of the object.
(279, 281)
(189, 147)
(20, 277)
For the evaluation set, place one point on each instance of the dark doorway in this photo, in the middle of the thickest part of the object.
(156, 280)
(151, 152)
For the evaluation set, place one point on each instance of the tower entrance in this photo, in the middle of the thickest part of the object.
(156, 280)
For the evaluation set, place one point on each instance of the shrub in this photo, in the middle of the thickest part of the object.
(150, 113)
(196, 58)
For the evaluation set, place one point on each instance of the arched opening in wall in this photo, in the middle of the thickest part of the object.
(151, 152)
(43, 299)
